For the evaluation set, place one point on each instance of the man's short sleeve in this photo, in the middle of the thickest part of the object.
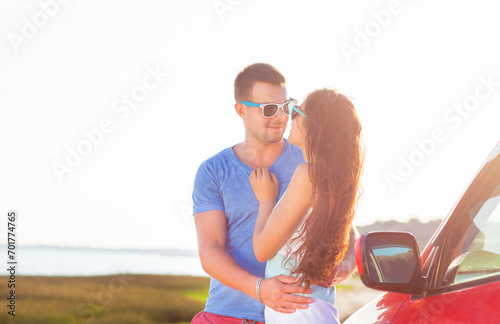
(206, 191)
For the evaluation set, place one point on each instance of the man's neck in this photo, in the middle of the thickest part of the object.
(259, 155)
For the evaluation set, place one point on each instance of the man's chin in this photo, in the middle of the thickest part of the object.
(275, 138)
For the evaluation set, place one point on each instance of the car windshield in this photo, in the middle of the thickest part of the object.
(477, 251)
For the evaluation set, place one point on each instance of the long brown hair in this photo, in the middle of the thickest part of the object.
(335, 153)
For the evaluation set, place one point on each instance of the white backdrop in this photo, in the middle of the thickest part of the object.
(108, 107)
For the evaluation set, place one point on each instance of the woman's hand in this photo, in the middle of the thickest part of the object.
(265, 185)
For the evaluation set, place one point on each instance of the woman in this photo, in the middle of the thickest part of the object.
(307, 233)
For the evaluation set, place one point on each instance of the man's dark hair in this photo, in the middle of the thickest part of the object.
(258, 72)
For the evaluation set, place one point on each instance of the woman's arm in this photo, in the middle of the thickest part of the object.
(274, 226)
(276, 292)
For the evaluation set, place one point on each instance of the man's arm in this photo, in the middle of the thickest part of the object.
(276, 292)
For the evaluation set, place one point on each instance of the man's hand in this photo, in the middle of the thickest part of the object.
(276, 292)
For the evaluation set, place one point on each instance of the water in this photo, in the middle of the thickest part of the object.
(67, 261)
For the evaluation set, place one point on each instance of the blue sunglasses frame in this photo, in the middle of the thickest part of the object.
(294, 108)
(280, 106)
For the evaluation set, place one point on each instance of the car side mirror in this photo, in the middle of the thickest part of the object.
(389, 261)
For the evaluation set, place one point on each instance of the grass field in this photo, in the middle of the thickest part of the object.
(118, 299)
(124, 299)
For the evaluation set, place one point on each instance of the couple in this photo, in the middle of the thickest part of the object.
(307, 237)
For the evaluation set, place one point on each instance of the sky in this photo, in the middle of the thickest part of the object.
(107, 108)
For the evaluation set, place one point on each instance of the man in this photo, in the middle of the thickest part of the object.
(225, 208)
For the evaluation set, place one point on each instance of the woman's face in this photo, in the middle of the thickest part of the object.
(298, 130)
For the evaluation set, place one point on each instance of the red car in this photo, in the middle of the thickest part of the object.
(456, 279)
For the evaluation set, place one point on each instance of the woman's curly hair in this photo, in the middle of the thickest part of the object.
(336, 154)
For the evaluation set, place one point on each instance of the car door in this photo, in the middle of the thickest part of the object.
(463, 270)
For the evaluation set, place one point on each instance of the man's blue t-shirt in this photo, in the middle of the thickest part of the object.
(222, 183)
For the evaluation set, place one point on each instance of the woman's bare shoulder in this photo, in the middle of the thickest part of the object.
(302, 171)
(301, 176)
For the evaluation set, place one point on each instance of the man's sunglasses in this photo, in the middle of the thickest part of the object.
(271, 109)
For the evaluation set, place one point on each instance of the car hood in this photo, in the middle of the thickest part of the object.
(381, 310)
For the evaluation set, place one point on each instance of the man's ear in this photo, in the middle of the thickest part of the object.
(241, 110)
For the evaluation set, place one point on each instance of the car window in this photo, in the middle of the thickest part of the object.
(477, 252)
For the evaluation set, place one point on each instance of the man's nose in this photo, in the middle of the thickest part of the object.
(280, 114)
